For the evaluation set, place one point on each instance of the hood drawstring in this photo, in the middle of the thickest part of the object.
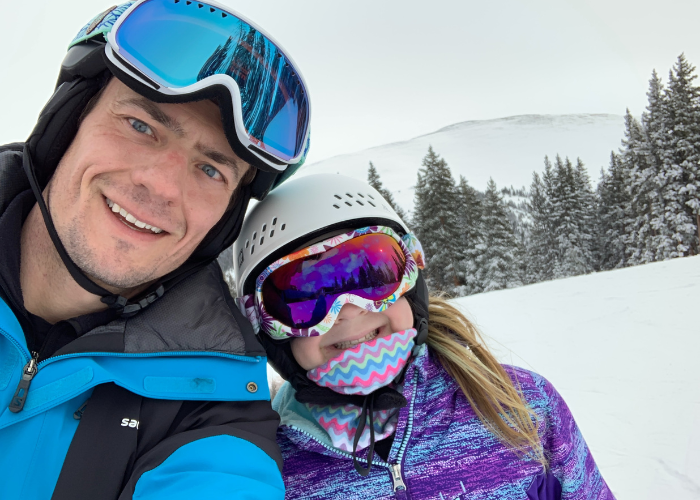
(367, 410)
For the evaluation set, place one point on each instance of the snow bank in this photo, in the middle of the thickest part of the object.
(622, 347)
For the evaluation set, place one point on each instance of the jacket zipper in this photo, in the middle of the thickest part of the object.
(30, 370)
(28, 373)
(394, 469)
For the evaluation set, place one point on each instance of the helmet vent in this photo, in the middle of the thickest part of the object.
(252, 249)
(371, 197)
(348, 195)
(255, 235)
(283, 226)
(360, 195)
(272, 233)
(348, 203)
(262, 239)
(375, 206)
(339, 197)
(360, 203)
(264, 228)
(274, 221)
(247, 243)
(336, 206)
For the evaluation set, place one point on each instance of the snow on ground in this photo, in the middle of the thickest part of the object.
(622, 347)
(507, 149)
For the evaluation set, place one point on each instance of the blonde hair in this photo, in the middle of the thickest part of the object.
(486, 385)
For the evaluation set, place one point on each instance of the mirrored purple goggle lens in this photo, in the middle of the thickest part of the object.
(301, 293)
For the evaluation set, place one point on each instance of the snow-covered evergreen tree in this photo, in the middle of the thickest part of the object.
(375, 181)
(435, 222)
(542, 246)
(471, 228)
(499, 260)
(639, 157)
(572, 213)
(613, 200)
(679, 178)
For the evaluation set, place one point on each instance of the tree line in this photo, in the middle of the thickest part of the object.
(645, 208)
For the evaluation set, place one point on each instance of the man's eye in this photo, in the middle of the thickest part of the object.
(212, 172)
(139, 126)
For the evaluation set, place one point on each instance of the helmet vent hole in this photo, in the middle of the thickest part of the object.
(211, 9)
(348, 195)
(274, 221)
(189, 3)
(247, 243)
(337, 196)
(252, 249)
(348, 203)
(262, 239)
(200, 5)
(264, 228)
(360, 195)
(283, 226)
(272, 233)
(360, 203)
(336, 206)
(370, 196)
(375, 206)
(255, 235)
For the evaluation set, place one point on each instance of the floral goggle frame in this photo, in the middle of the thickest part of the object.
(253, 305)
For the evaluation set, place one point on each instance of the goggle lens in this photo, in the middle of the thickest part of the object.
(300, 293)
(177, 43)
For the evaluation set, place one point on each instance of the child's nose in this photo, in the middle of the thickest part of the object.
(349, 311)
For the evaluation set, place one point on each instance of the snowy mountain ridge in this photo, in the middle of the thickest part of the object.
(508, 149)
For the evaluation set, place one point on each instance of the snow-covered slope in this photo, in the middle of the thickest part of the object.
(507, 149)
(623, 348)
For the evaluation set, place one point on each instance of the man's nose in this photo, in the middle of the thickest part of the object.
(164, 175)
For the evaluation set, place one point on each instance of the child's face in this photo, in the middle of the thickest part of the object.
(353, 326)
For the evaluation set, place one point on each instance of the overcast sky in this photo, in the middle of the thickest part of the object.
(381, 71)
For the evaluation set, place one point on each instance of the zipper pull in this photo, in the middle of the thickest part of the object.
(79, 412)
(396, 477)
(28, 372)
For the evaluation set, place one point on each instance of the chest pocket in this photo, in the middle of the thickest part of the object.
(544, 486)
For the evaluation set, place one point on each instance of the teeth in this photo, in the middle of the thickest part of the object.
(119, 210)
(352, 343)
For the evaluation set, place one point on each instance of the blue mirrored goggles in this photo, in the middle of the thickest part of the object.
(179, 47)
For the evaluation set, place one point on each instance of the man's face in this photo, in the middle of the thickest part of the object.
(168, 168)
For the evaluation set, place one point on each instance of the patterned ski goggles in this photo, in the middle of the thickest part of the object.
(301, 295)
(178, 47)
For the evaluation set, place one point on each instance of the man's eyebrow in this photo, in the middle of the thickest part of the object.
(233, 163)
(155, 112)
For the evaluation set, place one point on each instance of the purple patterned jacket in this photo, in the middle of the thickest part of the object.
(441, 449)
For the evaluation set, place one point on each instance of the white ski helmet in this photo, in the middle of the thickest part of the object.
(289, 217)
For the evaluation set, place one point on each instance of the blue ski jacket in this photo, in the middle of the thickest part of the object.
(171, 403)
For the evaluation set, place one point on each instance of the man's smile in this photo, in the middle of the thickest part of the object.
(130, 221)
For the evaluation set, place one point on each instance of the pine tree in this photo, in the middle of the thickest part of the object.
(679, 178)
(572, 215)
(471, 227)
(499, 260)
(542, 246)
(435, 222)
(613, 201)
(639, 158)
(374, 181)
